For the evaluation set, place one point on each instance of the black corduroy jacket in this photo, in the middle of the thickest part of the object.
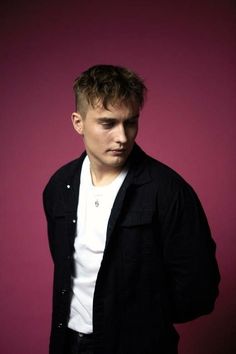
(158, 268)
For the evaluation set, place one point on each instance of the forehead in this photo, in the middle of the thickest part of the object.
(112, 111)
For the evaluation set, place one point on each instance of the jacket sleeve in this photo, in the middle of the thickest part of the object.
(189, 257)
(47, 201)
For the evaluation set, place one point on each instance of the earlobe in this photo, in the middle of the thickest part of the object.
(77, 122)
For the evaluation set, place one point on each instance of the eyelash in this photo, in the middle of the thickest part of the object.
(110, 125)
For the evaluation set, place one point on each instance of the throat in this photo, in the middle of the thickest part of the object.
(104, 178)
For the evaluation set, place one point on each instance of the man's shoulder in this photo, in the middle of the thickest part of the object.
(159, 171)
(164, 172)
(66, 170)
(65, 173)
(163, 179)
(168, 186)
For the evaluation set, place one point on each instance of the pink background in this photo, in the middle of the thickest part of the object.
(185, 50)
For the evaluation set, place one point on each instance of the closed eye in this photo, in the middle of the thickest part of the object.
(108, 124)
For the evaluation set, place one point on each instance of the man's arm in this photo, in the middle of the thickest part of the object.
(189, 256)
(47, 200)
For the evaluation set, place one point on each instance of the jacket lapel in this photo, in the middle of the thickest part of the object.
(71, 197)
(137, 176)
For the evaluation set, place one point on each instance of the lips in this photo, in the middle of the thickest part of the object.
(118, 151)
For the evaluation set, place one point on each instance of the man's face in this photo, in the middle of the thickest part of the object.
(109, 135)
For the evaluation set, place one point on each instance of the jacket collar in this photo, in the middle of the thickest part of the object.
(138, 175)
(138, 170)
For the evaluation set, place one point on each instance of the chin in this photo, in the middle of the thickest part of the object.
(120, 163)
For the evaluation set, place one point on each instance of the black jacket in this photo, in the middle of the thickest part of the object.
(158, 267)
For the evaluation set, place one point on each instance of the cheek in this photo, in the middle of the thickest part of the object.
(109, 135)
(92, 134)
(101, 137)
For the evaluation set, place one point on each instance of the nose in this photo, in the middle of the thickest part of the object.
(121, 136)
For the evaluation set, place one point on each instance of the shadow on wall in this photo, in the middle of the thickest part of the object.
(222, 333)
(214, 334)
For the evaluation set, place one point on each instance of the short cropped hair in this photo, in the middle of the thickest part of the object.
(108, 85)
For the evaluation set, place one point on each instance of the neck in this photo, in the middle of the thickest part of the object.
(102, 177)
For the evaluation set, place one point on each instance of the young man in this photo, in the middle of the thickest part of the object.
(131, 246)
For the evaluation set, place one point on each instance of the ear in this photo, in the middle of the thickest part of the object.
(77, 122)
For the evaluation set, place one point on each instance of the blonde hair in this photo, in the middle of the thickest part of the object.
(108, 85)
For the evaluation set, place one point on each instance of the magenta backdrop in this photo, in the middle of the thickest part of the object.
(185, 50)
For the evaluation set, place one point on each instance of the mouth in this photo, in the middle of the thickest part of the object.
(118, 151)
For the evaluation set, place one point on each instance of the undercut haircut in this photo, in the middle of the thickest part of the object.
(108, 85)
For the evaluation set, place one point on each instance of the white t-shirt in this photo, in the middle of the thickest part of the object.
(94, 208)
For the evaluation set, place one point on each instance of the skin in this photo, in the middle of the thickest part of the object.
(109, 136)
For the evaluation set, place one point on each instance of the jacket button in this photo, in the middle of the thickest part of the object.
(74, 221)
(59, 325)
(63, 291)
(68, 186)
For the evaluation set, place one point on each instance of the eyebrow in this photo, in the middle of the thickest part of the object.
(114, 119)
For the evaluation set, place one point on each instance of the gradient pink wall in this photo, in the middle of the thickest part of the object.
(185, 50)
